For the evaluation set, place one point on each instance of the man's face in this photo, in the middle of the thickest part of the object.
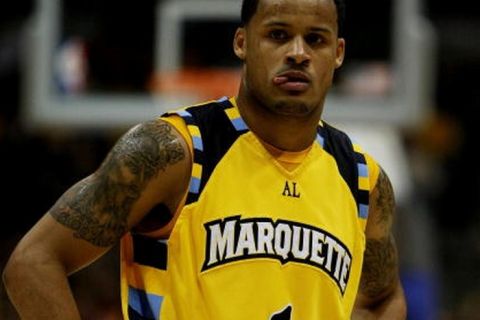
(290, 49)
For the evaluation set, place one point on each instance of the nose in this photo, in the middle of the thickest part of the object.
(298, 52)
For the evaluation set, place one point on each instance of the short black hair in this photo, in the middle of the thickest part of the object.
(249, 7)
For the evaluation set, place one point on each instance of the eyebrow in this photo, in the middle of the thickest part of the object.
(321, 29)
(275, 23)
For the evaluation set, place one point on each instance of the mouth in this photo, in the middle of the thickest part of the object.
(293, 81)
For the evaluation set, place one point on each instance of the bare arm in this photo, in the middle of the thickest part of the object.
(380, 295)
(147, 166)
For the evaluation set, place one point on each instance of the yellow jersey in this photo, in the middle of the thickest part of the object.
(255, 240)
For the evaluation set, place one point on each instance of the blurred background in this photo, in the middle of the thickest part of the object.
(74, 75)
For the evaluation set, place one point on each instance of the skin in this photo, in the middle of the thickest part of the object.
(149, 167)
(287, 36)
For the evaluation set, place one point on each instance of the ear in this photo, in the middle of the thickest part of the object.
(240, 43)
(340, 54)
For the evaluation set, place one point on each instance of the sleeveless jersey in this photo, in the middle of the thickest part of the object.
(254, 241)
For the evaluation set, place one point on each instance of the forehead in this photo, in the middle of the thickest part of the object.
(324, 10)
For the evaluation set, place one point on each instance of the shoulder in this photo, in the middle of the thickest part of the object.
(157, 132)
(149, 147)
(155, 156)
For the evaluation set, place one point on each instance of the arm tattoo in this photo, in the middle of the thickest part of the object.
(380, 258)
(379, 267)
(385, 200)
(97, 208)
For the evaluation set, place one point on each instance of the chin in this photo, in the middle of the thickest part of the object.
(292, 107)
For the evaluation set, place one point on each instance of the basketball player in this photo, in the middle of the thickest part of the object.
(248, 207)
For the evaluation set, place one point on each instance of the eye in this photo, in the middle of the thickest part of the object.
(313, 39)
(278, 35)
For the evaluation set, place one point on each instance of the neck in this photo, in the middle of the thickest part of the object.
(285, 132)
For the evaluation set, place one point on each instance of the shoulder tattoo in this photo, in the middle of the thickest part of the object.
(97, 208)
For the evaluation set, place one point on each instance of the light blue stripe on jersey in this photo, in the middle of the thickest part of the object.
(363, 211)
(239, 124)
(183, 113)
(146, 304)
(320, 140)
(197, 143)
(362, 170)
(194, 185)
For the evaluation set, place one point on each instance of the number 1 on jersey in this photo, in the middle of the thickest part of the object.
(284, 314)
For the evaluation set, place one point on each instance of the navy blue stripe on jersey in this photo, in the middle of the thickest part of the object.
(210, 119)
(340, 147)
(142, 305)
(198, 155)
(143, 247)
(360, 158)
(134, 315)
(351, 164)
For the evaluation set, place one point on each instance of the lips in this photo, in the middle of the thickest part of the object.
(296, 81)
